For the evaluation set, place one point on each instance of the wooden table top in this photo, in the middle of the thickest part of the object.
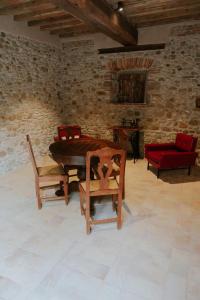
(73, 152)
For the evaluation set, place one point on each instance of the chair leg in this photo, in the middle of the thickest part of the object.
(158, 173)
(65, 186)
(87, 215)
(81, 203)
(114, 202)
(123, 193)
(39, 200)
(148, 166)
(119, 212)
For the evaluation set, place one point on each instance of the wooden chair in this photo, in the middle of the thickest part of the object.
(47, 177)
(69, 132)
(103, 184)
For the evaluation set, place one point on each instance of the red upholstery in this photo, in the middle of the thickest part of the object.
(185, 142)
(68, 132)
(158, 155)
(158, 147)
(180, 154)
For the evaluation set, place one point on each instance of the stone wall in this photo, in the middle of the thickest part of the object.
(42, 86)
(30, 99)
(172, 88)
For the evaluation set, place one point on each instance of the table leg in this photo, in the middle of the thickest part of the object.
(60, 192)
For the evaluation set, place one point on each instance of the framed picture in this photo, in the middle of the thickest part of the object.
(129, 87)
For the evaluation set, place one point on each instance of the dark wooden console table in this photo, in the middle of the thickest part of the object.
(128, 139)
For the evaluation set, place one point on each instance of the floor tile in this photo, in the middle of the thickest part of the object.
(46, 255)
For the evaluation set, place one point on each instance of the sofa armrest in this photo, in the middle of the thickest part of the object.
(178, 160)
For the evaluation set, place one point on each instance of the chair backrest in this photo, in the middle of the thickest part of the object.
(185, 142)
(68, 132)
(103, 161)
(30, 148)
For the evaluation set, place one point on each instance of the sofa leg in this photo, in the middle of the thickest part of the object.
(158, 173)
(148, 166)
(189, 171)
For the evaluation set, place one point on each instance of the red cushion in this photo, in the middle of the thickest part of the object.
(56, 138)
(185, 142)
(69, 132)
(157, 155)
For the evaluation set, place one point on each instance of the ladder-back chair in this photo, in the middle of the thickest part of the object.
(47, 177)
(102, 163)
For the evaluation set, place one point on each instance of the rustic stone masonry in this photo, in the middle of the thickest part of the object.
(172, 88)
(30, 99)
(42, 86)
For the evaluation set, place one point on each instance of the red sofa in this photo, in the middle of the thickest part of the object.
(69, 132)
(180, 154)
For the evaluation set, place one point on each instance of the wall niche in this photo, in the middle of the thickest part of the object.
(129, 87)
(129, 79)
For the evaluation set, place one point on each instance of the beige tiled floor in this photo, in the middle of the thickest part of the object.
(155, 256)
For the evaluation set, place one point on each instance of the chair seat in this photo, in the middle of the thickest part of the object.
(157, 155)
(95, 186)
(50, 170)
(45, 161)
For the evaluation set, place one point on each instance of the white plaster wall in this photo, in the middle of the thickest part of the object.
(100, 40)
(154, 34)
(159, 33)
(146, 35)
(7, 24)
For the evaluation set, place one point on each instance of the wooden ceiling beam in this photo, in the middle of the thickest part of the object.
(36, 15)
(68, 28)
(4, 3)
(60, 25)
(172, 16)
(51, 20)
(98, 15)
(20, 7)
(153, 2)
(142, 6)
(76, 32)
(172, 10)
(132, 48)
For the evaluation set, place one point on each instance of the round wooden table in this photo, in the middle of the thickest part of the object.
(72, 153)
